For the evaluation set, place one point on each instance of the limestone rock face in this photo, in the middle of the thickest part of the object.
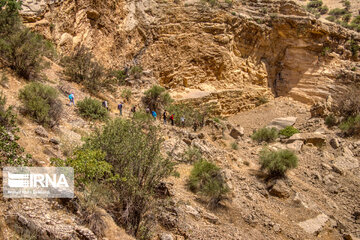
(317, 139)
(281, 123)
(208, 55)
(315, 224)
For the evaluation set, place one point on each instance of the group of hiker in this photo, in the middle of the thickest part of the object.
(165, 114)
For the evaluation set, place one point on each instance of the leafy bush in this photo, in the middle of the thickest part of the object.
(353, 46)
(234, 146)
(22, 51)
(346, 18)
(330, 18)
(90, 108)
(261, 100)
(314, 4)
(351, 126)
(117, 77)
(324, 9)
(190, 114)
(142, 118)
(41, 102)
(337, 12)
(89, 165)
(137, 163)
(126, 93)
(11, 154)
(265, 135)
(9, 17)
(330, 120)
(80, 67)
(206, 179)
(356, 20)
(288, 131)
(136, 71)
(276, 163)
(192, 154)
(348, 104)
(156, 97)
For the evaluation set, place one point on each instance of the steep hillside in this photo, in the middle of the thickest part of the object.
(255, 63)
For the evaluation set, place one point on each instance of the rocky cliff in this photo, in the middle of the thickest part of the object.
(251, 48)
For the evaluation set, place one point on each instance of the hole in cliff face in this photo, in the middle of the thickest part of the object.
(295, 72)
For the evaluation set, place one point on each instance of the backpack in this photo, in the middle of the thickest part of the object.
(172, 117)
(120, 106)
(71, 96)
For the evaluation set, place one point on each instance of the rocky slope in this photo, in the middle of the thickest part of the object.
(227, 56)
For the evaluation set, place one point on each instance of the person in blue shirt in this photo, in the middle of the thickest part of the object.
(154, 114)
(72, 100)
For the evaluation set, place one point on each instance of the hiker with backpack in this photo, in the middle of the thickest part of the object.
(182, 121)
(72, 100)
(165, 116)
(154, 114)
(105, 105)
(120, 106)
(147, 110)
(172, 119)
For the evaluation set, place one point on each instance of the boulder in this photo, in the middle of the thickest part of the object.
(334, 143)
(295, 146)
(314, 225)
(41, 132)
(92, 14)
(210, 217)
(345, 163)
(237, 132)
(281, 123)
(316, 139)
(54, 141)
(166, 236)
(279, 189)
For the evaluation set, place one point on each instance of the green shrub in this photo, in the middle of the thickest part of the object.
(326, 50)
(206, 179)
(229, 2)
(92, 109)
(234, 146)
(117, 77)
(136, 71)
(10, 21)
(192, 154)
(142, 118)
(356, 20)
(22, 51)
(288, 131)
(126, 93)
(156, 97)
(330, 120)
(337, 12)
(265, 135)
(347, 5)
(81, 67)
(41, 102)
(11, 154)
(346, 18)
(138, 164)
(351, 126)
(276, 163)
(353, 46)
(330, 18)
(190, 114)
(324, 9)
(261, 100)
(314, 4)
(89, 165)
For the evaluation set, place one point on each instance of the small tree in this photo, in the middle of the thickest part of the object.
(276, 163)
(81, 67)
(288, 131)
(351, 126)
(206, 179)
(92, 109)
(191, 114)
(265, 135)
(156, 97)
(9, 17)
(137, 161)
(41, 103)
